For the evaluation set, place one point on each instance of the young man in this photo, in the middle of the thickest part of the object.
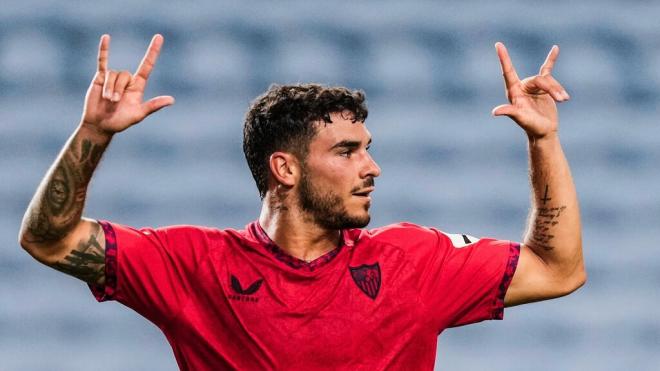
(304, 287)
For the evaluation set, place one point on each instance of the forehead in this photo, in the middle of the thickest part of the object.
(342, 128)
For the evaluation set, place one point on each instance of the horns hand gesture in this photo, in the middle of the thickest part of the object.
(532, 100)
(114, 100)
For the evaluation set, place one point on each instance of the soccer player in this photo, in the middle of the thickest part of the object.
(305, 286)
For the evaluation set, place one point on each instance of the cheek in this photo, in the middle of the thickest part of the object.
(333, 173)
(341, 181)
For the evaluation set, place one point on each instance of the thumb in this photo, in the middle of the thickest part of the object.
(155, 104)
(504, 110)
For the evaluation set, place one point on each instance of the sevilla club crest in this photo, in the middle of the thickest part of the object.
(367, 278)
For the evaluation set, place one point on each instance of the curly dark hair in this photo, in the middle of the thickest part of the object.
(284, 117)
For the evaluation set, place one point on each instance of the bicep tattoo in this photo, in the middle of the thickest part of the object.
(87, 260)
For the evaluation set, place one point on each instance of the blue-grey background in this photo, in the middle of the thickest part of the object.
(431, 76)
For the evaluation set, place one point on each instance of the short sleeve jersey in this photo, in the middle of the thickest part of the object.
(232, 299)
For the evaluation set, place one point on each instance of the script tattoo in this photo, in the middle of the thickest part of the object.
(546, 219)
(86, 261)
(61, 199)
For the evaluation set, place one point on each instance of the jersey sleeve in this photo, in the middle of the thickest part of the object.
(151, 270)
(464, 279)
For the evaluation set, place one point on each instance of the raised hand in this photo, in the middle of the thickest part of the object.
(532, 100)
(114, 100)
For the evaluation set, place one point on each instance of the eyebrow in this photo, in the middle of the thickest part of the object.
(349, 144)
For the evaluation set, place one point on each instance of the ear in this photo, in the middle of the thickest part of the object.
(285, 168)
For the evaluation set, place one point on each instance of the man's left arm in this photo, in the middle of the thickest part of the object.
(551, 262)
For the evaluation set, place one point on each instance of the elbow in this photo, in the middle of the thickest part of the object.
(573, 281)
(578, 275)
(28, 246)
(42, 252)
(570, 274)
(23, 240)
(566, 277)
(580, 278)
(26, 239)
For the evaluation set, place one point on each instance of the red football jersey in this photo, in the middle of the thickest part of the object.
(232, 299)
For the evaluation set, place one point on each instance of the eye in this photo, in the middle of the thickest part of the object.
(346, 154)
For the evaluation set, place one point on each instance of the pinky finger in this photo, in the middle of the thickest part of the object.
(547, 84)
(556, 90)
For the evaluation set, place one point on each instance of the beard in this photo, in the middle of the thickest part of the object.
(327, 208)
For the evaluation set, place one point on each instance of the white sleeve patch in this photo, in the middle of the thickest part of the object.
(461, 240)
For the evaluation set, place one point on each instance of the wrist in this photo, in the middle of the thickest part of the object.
(94, 131)
(550, 137)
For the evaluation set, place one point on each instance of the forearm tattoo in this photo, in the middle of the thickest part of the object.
(87, 260)
(547, 217)
(59, 202)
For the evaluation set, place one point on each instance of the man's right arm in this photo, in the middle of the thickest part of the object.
(53, 229)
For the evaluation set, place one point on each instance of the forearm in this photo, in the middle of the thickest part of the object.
(57, 206)
(554, 231)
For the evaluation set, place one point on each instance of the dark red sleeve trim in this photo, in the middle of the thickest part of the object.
(107, 291)
(511, 264)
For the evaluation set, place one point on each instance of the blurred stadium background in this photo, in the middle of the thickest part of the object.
(431, 77)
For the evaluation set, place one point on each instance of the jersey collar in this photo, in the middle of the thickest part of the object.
(260, 235)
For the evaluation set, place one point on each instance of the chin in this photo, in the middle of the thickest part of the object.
(358, 221)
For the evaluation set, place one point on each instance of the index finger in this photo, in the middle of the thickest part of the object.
(104, 49)
(546, 68)
(509, 73)
(150, 57)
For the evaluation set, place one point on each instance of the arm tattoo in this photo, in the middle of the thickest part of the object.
(87, 260)
(546, 219)
(59, 202)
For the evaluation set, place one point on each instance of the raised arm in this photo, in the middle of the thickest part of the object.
(551, 262)
(53, 229)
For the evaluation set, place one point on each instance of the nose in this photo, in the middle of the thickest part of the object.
(371, 168)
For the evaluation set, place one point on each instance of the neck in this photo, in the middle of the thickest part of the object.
(296, 234)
